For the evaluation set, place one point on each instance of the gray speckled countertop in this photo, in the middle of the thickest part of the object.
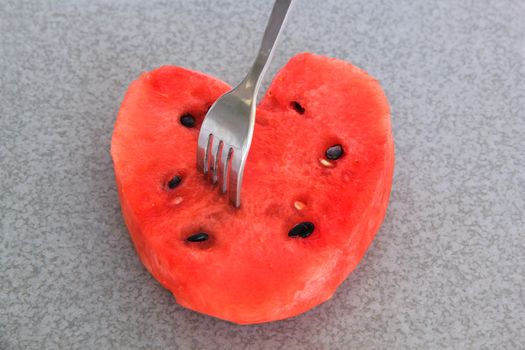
(447, 268)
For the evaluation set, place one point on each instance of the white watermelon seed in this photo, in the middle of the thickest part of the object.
(326, 163)
(299, 205)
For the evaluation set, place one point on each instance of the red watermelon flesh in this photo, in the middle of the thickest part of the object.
(249, 270)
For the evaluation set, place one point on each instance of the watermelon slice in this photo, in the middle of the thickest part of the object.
(316, 187)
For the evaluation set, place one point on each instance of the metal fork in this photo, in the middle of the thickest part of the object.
(227, 130)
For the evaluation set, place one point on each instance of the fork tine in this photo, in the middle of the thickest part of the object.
(214, 155)
(203, 149)
(236, 172)
(223, 167)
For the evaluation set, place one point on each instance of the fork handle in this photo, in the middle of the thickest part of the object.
(271, 34)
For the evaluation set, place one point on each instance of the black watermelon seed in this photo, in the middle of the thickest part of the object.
(303, 230)
(334, 152)
(198, 237)
(298, 108)
(174, 182)
(187, 120)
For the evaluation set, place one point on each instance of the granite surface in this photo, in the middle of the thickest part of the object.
(447, 269)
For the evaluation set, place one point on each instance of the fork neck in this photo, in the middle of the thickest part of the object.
(249, 86)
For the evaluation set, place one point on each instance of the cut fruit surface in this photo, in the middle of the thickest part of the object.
(316, 187)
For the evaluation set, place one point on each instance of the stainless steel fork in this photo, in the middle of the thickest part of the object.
(226, 132)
